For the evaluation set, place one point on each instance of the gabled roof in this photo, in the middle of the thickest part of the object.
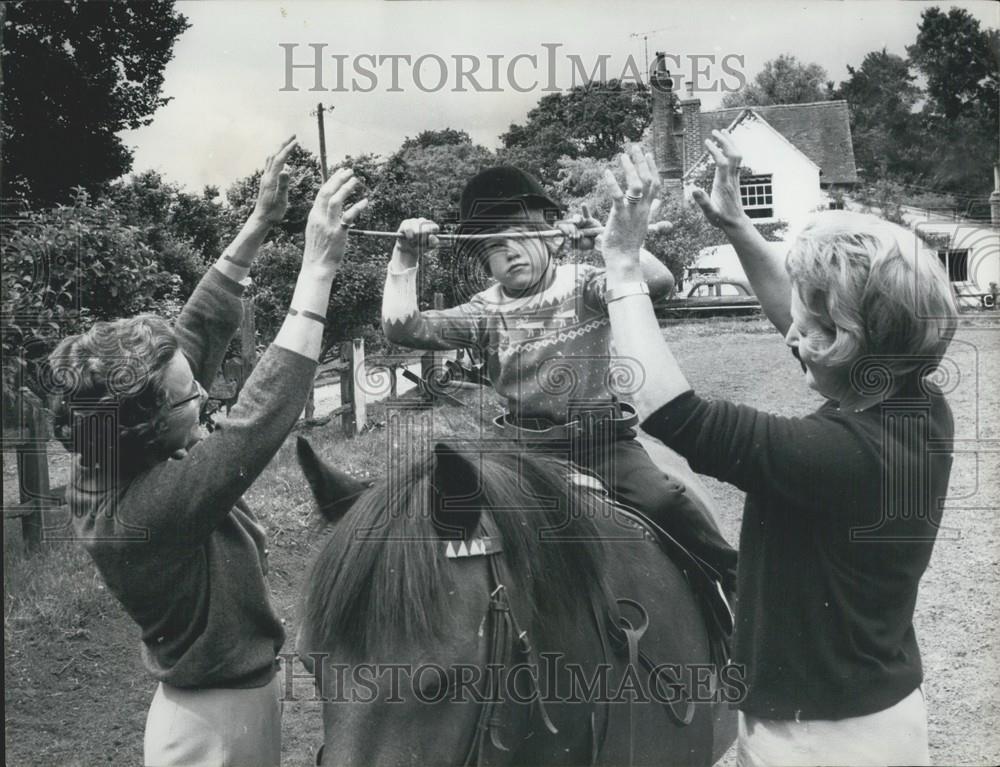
(748, 114)
(820, 130)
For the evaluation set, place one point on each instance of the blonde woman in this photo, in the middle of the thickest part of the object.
(160, 510)
(843, 504)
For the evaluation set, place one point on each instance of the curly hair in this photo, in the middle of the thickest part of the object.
(117, 366)
(881, 294)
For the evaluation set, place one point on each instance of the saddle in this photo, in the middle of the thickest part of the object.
(711, 589)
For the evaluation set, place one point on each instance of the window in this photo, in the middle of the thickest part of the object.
(756, 196)
(728, 289)
(956, 262)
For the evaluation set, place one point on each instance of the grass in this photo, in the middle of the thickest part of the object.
(76, 692)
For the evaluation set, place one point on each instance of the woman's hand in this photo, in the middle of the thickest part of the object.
(416, 236)
(326, 228)
(724, 208)
(272, 196)
(627, 225)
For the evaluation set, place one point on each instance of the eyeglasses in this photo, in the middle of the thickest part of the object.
(197, 393)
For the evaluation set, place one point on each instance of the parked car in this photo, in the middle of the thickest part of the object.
(709, 298)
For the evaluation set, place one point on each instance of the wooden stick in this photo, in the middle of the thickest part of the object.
(662, 226)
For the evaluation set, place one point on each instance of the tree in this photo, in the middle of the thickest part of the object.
(961, 116)
(184, 231)
(959, 60)
(784, 80)
(881, 97)
(593, 120)
(75, 74)
(443, 137)
(65, 267)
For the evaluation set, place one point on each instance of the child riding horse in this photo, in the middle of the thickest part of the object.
(545, 332)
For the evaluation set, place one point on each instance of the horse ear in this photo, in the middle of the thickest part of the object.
(335, 492)
(458, 482)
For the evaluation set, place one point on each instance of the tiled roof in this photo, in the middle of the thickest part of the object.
(820, 130)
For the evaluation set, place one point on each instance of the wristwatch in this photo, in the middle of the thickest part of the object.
(625, 290)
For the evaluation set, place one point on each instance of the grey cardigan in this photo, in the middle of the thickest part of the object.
(175, 543)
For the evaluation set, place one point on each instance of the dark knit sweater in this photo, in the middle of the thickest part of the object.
(841, 514)
(175, 544)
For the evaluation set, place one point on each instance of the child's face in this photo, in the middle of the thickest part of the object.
(519, 264)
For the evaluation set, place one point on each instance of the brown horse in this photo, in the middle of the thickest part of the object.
(482, 606)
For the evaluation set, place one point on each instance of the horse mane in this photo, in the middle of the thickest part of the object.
(381, 579)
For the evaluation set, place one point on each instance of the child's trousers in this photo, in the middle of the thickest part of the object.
(634, 480)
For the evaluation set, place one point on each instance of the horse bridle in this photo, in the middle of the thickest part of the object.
(507, 641)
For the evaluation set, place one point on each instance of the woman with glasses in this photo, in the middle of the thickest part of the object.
(159, 509)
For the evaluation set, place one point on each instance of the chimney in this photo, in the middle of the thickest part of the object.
(995, 197)
(693, 147)
(665, 124)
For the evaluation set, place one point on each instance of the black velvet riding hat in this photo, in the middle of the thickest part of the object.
(503, 195)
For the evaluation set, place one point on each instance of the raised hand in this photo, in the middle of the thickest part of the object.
(724, 208)
(416, 236)
(272, 196)
(627, 225)
(326, 228)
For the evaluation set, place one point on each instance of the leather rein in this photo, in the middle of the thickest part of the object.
(509, 642)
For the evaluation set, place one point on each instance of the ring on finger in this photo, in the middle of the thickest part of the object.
(632, 199)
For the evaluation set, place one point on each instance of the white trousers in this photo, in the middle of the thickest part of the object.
(214, 728)
(895, 736)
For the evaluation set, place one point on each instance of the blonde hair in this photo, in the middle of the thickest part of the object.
(880, 292)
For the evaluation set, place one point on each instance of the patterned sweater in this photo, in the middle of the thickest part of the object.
(545, 352)
(175, 543)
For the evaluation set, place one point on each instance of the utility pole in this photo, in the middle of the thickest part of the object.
(322, 138)
(310, 411)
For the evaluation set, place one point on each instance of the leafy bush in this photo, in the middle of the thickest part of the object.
(66, 267)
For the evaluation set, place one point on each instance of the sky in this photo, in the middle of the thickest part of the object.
(233, 98)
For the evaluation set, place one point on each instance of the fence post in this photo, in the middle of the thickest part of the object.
(431, 362)
(347, 389)
(32, 469)
(248, 339)
(358, 374)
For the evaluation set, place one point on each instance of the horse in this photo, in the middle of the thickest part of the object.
(485, 606)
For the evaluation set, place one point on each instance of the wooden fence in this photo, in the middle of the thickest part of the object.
(34, 492)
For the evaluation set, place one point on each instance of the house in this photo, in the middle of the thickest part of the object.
(796, 157)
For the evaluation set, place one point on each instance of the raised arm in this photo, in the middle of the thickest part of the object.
(185, 499)
(762, 261)
(636, 332)
(654, 273)
(212, 313)
(402, 321)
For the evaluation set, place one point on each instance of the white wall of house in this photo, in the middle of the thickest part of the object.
(981, 242)
(983, 258)
(794, 177)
